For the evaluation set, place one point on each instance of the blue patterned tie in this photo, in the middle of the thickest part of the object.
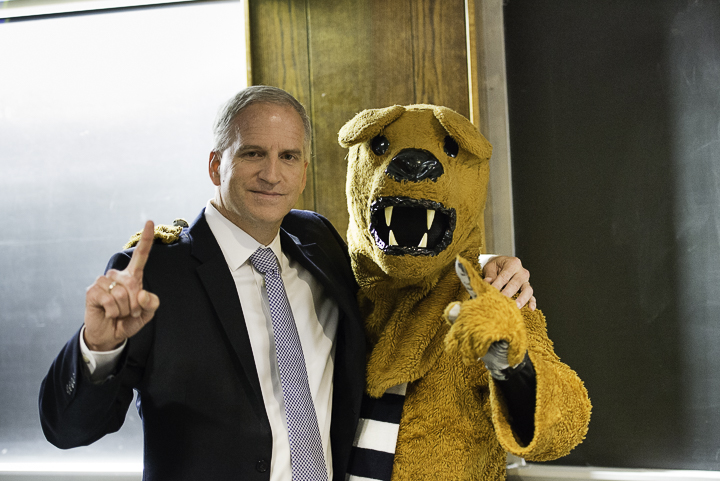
(306, 451)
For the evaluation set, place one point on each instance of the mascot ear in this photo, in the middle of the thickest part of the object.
(464, 132)
(367, 124)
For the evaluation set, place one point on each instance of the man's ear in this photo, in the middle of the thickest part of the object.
(214, 167)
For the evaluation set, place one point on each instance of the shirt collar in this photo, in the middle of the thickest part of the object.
(237, 245)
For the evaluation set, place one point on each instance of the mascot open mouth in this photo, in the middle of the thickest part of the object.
(419, 227)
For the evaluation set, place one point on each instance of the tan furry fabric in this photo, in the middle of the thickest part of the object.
(455, 424)
(463, 186)
(490, 317)
(166, 233)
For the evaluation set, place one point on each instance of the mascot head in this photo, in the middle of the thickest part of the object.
(416, 189)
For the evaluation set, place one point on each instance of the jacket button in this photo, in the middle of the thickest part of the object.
(262, 466)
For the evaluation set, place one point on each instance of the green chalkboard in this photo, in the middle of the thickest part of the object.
(615, 141)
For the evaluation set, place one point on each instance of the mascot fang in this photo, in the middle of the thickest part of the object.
(443, 401)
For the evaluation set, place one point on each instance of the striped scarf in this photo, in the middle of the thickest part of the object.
(373, 450)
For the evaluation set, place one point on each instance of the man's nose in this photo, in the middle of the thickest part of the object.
(270, 171)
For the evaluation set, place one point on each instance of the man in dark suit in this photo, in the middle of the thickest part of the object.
(209, 388)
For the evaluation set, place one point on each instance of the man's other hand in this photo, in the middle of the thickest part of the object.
(510, 277)
(116, 305)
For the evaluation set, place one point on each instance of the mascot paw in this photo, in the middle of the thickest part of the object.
(166, 233)
(486, 326)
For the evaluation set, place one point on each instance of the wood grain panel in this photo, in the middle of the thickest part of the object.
(278, 39)
(389, 58)
(279, 57)
(365, 64)
(440, 51)
(477, 100)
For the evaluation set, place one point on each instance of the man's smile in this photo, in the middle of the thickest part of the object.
(267, 193)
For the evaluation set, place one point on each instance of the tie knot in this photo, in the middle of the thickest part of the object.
(264, 261)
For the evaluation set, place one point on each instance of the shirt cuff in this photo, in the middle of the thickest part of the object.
(485, 258)
(99, 363)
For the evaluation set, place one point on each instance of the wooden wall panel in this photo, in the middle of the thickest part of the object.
(389, 57)
(363, 64)
(278, 45)
(440, 51)
(279, 56)
(358, 55)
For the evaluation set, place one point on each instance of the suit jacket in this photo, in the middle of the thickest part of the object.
(198, 390)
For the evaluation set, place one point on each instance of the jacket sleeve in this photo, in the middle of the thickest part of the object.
(73, 410)
(562, 406)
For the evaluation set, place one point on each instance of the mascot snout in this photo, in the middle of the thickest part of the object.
(414, 165)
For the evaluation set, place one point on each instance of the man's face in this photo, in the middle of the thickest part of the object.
(262, 174)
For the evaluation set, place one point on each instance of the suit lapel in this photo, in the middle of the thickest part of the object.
(220, 288)
(320, 265)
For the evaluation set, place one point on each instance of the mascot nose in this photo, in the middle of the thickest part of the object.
(414, 165)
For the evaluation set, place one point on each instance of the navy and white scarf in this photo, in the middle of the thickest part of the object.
(373, 450)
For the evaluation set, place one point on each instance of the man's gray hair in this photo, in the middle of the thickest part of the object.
(225, 129)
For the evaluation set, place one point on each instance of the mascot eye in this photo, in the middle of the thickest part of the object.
(379, 145)
(451, 147)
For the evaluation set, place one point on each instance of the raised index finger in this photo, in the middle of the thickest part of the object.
(142, 250)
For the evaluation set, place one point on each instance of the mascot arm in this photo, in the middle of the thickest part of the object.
(519, 392)
(167, 234)
(490, 328)
(561, 404)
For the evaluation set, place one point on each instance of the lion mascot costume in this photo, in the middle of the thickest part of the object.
(457, 375)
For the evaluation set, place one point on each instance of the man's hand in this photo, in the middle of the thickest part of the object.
(116, 305)
(510, 277)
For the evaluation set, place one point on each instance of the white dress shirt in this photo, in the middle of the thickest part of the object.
(316, 317)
